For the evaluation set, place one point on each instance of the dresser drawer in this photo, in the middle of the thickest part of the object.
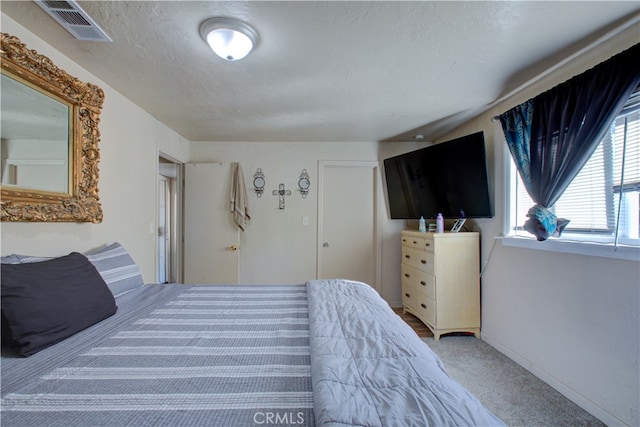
(409, 294)
(422, 243)
(409, 276)
(426, 309)
(425, 285)
(418, 259)
(410, 300)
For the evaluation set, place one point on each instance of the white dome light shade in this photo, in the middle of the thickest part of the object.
(229, 38)
(229, 44)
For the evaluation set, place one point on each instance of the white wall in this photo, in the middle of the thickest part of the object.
(573, 320)
(276, 247)
(130, 140)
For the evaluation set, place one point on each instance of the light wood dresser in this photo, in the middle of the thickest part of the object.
(441, 280)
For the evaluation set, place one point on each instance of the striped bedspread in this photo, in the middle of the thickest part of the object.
(174, 355)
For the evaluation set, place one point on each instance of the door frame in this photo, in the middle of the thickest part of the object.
(175, 260)
(323, 165)
(165, 191)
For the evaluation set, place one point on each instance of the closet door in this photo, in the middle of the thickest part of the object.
(348, 245)
(211, 237)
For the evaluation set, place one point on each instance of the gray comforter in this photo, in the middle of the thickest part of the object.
(370, 369)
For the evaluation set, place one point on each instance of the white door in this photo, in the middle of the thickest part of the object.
(210, 234)
(347, 225)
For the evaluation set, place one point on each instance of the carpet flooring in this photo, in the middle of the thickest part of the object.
(508, 390)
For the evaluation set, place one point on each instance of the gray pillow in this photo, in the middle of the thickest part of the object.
(23, 259)
(10, 259)
(117, 268)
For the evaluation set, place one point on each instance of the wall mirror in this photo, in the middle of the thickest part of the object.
(49, 139)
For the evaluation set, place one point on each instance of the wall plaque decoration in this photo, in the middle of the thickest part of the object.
(258, 182)
(304, 183)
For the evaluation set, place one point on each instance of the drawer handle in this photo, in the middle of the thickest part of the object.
(415, 242)
(423, 283)
(422, 305)
(407, 295)
(407, 275)
(427, 244)
(424, 261)
(407, 256)
(404, 240)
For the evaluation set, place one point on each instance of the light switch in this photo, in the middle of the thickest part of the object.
(305, 221)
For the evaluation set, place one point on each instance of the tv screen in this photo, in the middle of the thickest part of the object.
(448, 178)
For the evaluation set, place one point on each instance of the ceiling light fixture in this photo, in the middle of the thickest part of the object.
(229, 38)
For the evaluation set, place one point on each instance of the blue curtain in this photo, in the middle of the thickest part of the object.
(552, 136)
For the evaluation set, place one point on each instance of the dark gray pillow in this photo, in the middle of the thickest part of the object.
(5, 333)
(46, 302)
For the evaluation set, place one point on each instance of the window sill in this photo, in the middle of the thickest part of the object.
(603, 250)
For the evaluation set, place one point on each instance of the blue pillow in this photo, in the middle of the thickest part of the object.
(45, 302)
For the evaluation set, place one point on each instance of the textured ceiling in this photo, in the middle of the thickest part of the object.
(326, 71)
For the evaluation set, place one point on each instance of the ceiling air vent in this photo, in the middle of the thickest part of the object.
(75, 20)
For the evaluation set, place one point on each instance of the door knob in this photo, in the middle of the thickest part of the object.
(233, 247)
(325, 245)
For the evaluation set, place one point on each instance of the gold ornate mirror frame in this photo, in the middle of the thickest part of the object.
(82, 204)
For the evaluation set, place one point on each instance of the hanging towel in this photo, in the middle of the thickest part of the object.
(239, 201)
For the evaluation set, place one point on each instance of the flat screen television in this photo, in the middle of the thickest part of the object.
(448, 178)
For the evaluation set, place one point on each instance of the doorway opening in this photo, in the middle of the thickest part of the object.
(169, 232)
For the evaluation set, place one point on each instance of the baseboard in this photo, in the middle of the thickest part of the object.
(571, 394)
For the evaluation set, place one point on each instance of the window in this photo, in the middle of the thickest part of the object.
(603, 201)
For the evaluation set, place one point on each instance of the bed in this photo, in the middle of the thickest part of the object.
(326, 352)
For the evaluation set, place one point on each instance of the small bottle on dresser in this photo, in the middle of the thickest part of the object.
(439, 223)
(422, 227)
